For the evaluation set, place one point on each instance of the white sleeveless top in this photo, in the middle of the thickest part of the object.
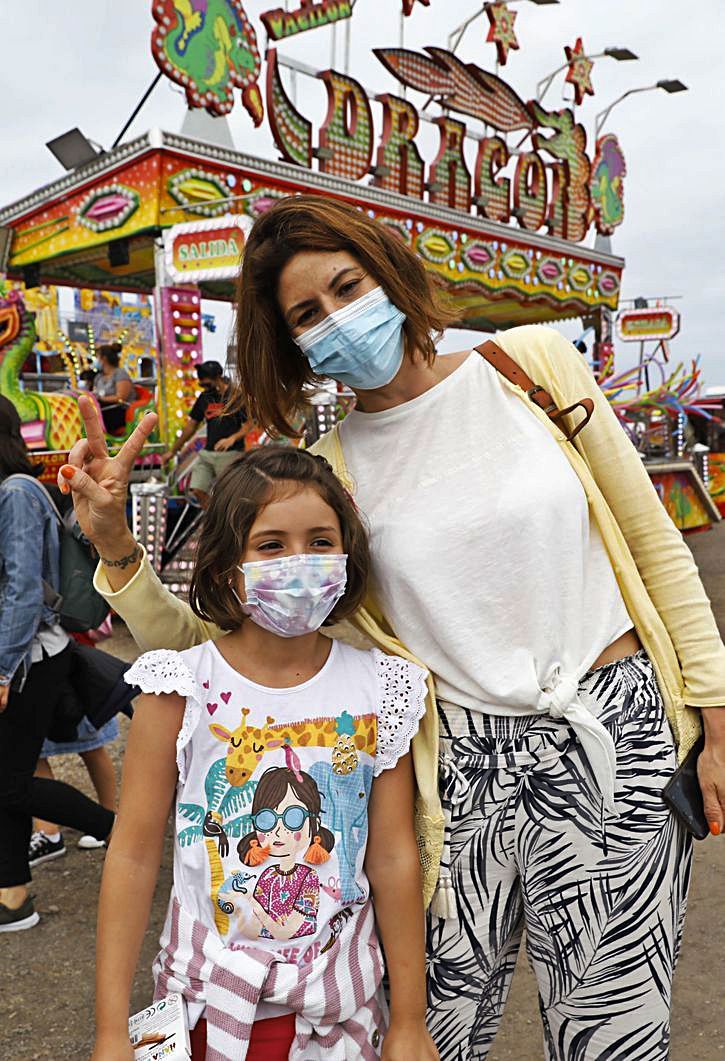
(485, 559)
(271, 818)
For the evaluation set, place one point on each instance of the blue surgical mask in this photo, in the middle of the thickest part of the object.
(361, 345)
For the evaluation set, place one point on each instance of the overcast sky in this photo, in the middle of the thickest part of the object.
(87, 62)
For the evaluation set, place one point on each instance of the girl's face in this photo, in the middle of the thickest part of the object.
(314, 284)
(296, 521)
(287, 843)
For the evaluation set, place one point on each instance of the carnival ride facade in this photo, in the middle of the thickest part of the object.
(165, 216)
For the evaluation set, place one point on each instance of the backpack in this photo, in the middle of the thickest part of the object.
(77, 604)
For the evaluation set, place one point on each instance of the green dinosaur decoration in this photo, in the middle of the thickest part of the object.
(209, 47)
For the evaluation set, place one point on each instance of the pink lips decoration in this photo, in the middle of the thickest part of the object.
(107, 206)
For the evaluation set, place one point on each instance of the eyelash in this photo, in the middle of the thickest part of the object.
(318, 543)
(343, 291)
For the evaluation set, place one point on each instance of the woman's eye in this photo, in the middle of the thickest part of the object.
(347, 288)
(306, 318)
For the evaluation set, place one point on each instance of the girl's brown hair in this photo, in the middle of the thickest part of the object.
(270, 792)
(272, 371)
(239, 494)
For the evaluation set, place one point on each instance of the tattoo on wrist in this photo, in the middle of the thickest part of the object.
(124, 561)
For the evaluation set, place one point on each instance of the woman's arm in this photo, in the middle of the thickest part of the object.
(124, 390)
(99, 484)
(132, 862)
(660, 553)
(393, 869)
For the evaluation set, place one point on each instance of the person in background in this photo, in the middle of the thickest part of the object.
(47, 841)
(35, 660)
(113, 387)
(224, 433)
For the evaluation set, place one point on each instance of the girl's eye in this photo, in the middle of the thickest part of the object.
(267, 546)
(322, 543)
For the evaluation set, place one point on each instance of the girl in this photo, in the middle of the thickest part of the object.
(574, 651)
(296, 746)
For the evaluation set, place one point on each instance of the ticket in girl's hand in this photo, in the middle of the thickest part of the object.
(161, 1031)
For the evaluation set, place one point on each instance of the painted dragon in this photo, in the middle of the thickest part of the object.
(54, 416)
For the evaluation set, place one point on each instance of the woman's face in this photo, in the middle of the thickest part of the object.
(287, 843)
(314, 284)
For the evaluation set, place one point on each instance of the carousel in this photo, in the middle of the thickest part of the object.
(512, 213)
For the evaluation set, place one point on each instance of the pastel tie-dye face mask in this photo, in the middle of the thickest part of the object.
(293, 595)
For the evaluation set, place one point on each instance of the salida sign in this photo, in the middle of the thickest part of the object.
(206, 250)
(547, 183)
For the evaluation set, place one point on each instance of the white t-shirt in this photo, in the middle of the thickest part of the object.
(304, 759)
(485, 560)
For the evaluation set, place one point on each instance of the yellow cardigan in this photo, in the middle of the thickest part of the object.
(654, 568)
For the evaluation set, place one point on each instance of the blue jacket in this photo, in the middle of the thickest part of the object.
(29, 553)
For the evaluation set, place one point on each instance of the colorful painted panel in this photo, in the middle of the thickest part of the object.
(64, 225)
(180, 327)
(679, 496)
(716, 463)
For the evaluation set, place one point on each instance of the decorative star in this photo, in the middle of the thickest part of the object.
(408, 6)
(501, 30)
(579, 72)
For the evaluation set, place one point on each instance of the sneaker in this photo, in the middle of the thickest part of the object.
(89, 843)
(42, 849)
(16, 920)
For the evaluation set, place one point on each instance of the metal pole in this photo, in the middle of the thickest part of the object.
(139, 105)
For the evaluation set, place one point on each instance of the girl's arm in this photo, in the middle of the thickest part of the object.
(393, 869)
(132, 864)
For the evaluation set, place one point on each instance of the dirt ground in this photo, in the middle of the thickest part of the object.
(46, 1000)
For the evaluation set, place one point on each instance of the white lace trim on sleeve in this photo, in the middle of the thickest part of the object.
(164, 671)
(401, 706)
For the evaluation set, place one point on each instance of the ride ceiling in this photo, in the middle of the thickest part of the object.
(496, 275)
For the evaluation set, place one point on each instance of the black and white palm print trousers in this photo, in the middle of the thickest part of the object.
(602, 897)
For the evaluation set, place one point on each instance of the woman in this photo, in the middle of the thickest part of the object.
(541, 582)
(113, 388)
(35, 661)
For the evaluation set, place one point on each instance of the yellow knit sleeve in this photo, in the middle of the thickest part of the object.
(154, 616)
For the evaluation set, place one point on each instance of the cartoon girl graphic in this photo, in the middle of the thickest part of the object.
(286, 815)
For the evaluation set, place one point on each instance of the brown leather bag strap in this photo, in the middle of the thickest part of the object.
(513, 372)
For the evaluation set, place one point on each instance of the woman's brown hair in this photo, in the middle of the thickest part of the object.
(273, 373)
(111, 352)
(239, 494)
